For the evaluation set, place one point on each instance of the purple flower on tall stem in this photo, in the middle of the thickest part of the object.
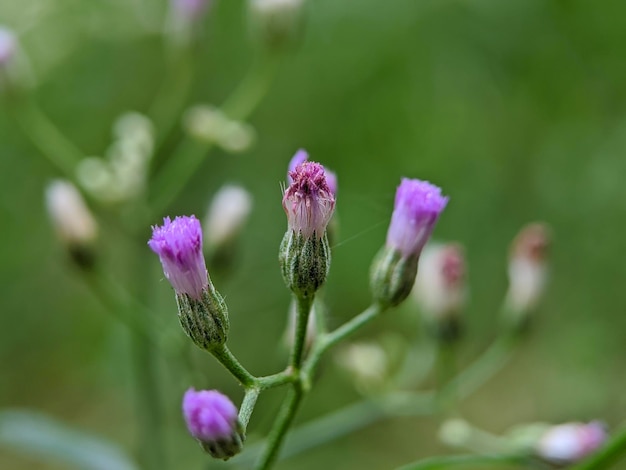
(417, 207)
(212, 419)
(308, 201)
(179, 246)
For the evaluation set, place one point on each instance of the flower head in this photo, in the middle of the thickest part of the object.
(417, 207)
(528, 270)
(212, 419)
(440, 287)
(227, 214)
(302, 156)
(179, 246)
(571, 442)
(190, 9)
(308, 201)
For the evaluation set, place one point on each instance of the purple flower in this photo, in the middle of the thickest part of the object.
(302, 156)
(210, 415)
(308, 201)
(179, 246)
(417, 207)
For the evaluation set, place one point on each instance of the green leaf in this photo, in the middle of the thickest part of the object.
(36, 434)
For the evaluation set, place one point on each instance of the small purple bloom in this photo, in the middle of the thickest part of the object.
(179, 246)
(210, 415)
(302, 156)
(417, 207)
(308, 201)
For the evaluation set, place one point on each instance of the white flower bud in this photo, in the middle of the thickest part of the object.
(72, 220)
(571, 442)
(527, 269)
(227, 214)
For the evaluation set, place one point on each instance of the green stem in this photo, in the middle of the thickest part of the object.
(148, 406)
(275, 380)
(175, 174)
(482, 369)
(247, 406)
(228, 360)
(303, 306)
(281, 426)
(446, 369)
(608, 455)
(326, 341)
(472, 461)
(50, 141)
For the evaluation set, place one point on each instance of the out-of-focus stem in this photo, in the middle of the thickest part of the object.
(303, 310)
(44, 134)
(469, 461)
(189, 155)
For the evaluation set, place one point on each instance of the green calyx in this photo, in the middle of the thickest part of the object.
(392, 276)
(206, 320)
(304, 262)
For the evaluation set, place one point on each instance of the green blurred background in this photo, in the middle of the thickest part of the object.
(515, 108)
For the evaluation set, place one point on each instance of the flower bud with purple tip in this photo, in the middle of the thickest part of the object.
(417, 207)
(201, 309)
(304, 253)
(211, 418)
(571, 442)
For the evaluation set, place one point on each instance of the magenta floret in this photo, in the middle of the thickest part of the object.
(209, 414)
(179, 246)
(417, 207)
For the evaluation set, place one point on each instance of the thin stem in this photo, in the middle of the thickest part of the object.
(325, 342)
(275, 380)
(350, 327)
(247, 406)
(228, 360)
(50, 141)
(148, 406)
(473, 461)
(482, 369)
(303, 309)
(281, 426)
(446, 369)
(175, 174)
(608, 455)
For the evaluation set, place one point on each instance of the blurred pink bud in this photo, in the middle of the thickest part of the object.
(440, 285)
(528, 267)
(8, 46)
(571, 442)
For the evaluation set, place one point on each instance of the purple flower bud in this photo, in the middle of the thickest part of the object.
(415, 213)
(302, 156)
(8, 46)
(308, 201)
(179, 246)
(571, 442)
(212, 419)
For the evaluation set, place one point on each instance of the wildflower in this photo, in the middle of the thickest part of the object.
(211, 418)
(527, 270)
(417, 207)
(309, 205)
(190, 9)
(440, 287)
(302, 156)
(201, 309)
(227, 215)
(571, 442)
(72, 220)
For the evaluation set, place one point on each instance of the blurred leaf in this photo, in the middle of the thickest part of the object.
(37, 434)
